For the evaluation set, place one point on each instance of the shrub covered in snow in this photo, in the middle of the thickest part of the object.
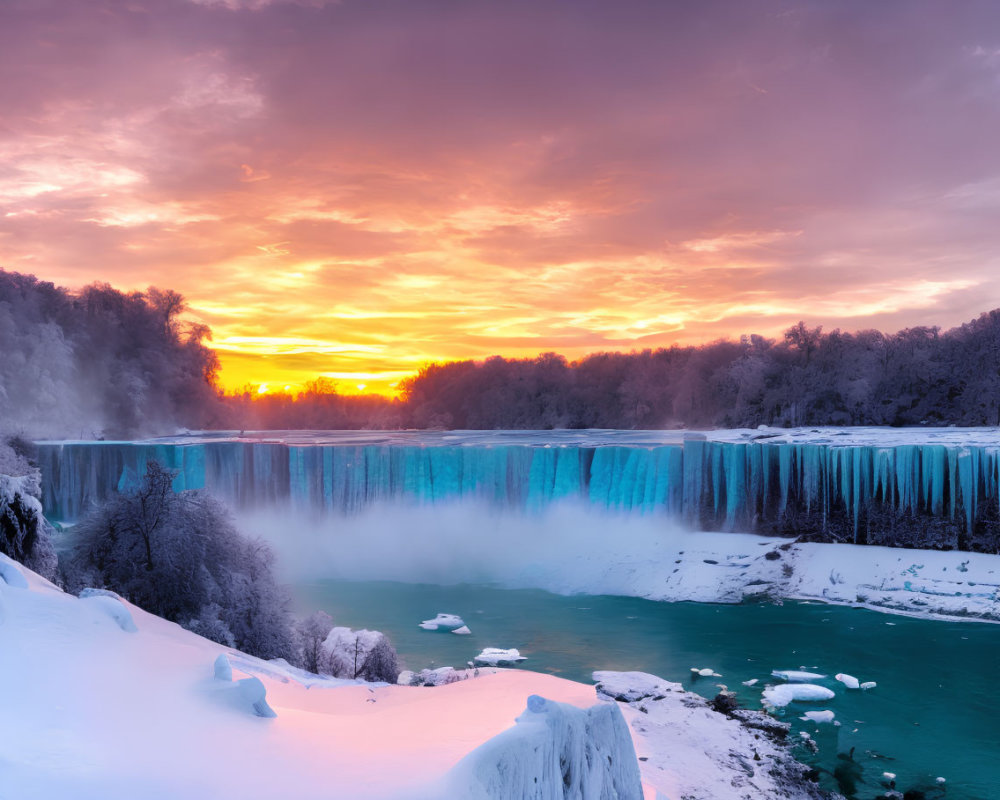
(24, 533)
(310, 634)
(359, 654)
(178, 555)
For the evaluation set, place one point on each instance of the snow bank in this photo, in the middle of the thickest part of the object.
(112, 606)
(555, 751)
(496, 656)
(11, 574)
(785, 693)
(151, 719)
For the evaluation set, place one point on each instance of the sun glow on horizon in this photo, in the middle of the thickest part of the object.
(626, 200)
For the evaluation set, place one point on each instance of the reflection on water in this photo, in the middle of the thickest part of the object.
(932, 714)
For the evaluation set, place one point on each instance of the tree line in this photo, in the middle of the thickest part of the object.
(918, 376)
(101, 362)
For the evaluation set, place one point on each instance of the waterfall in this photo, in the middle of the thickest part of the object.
(925, 494)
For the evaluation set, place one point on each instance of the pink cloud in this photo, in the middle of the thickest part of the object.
(456, 179)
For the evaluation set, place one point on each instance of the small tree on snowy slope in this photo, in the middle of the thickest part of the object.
(381, 664)
(310, 633)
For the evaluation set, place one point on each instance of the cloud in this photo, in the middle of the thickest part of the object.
(444, 180)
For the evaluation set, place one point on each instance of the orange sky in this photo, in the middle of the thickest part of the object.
(355, 189)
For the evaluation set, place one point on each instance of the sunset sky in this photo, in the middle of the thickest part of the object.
(356, 188)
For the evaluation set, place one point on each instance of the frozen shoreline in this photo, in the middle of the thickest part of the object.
(592, 437)
(738, 567)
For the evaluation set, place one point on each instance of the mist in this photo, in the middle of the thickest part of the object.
(100, 363)
(567, 548)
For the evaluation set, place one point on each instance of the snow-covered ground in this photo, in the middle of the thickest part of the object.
(687, 750)
(731, 567)
(99, 699)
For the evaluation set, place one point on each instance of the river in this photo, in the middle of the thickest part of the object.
(932, 714)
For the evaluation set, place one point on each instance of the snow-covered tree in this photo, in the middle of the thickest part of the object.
(24, 532)
(178, 555)
(360, 654)
(310, 633)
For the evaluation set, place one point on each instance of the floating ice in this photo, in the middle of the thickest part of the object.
(818, 716)
(797, 676)
(496, 656)
(868, 685)
(751, 682)
(785, 693)
(443, 622)
(848, 680)
(463, 631)
(705, 672)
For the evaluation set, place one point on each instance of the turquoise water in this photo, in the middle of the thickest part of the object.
(934, 711)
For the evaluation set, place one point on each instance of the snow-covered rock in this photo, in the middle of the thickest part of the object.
(785, 693)
(405, 678)
(111, 605)
(797, 676)
(688, 750)
(223, 670)
(253, 692)
(439, 676)
(497, 656)
(632, 686)
(848, 680)
(443, 622)
(554, 751)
